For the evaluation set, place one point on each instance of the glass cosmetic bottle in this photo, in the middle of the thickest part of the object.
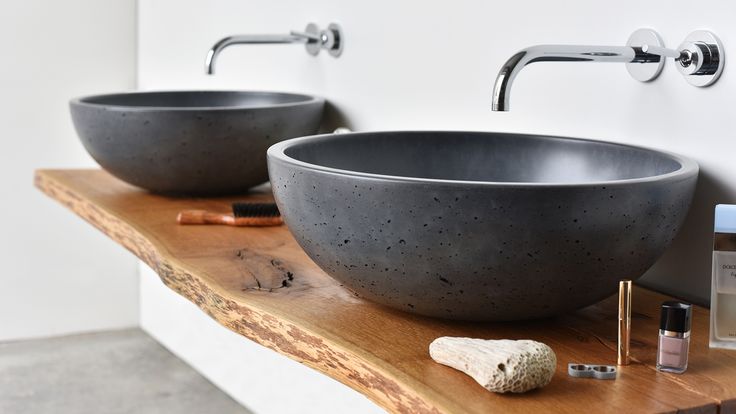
(723, 285)
(674, 336)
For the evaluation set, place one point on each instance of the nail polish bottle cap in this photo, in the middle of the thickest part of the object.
(675, 316)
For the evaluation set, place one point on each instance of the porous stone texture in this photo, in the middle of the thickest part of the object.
(502, 365)
(479, 226)
(191, 142)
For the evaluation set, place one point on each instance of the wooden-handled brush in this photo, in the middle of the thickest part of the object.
(244, 214)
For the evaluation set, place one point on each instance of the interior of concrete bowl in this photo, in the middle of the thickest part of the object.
(502, 158)
(196, 99)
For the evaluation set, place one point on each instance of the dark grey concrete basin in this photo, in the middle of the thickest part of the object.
(191, 142)
(480, 226)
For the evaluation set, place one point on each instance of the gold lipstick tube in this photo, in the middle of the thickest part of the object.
(624, 321)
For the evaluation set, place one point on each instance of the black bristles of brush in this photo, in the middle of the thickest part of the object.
(255, 210)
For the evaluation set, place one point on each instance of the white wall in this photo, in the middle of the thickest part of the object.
(419, 64)
(59, 275)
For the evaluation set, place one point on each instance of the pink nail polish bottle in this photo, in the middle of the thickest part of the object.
(674, 336)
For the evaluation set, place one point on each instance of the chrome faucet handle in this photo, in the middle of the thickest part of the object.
(702, 58)
(699, 58)
(329, 39)
(661, 51)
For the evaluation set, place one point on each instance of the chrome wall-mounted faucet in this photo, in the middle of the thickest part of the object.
(700, 59)
(312, 37)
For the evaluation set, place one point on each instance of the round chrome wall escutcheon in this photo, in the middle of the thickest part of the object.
(645, 71)
(329, 39)
(704, 60)
(313, 46)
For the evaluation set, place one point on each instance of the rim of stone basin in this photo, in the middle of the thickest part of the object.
(688, 167)
(100, 101)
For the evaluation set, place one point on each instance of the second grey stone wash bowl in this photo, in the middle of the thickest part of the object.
(480, 226)
(191, 142)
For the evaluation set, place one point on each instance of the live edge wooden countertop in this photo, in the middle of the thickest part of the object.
(260, 284)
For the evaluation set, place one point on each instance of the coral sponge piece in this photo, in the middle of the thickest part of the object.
(498, 365)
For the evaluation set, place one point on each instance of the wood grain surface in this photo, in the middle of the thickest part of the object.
(259, 283)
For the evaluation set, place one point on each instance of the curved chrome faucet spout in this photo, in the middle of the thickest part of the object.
(560, 53)
(214, 52)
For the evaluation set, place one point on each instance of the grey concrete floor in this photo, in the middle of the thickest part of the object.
(110, 372)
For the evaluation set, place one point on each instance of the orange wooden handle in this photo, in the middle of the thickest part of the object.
(258, 221)
(206, 217)
(202, 217)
